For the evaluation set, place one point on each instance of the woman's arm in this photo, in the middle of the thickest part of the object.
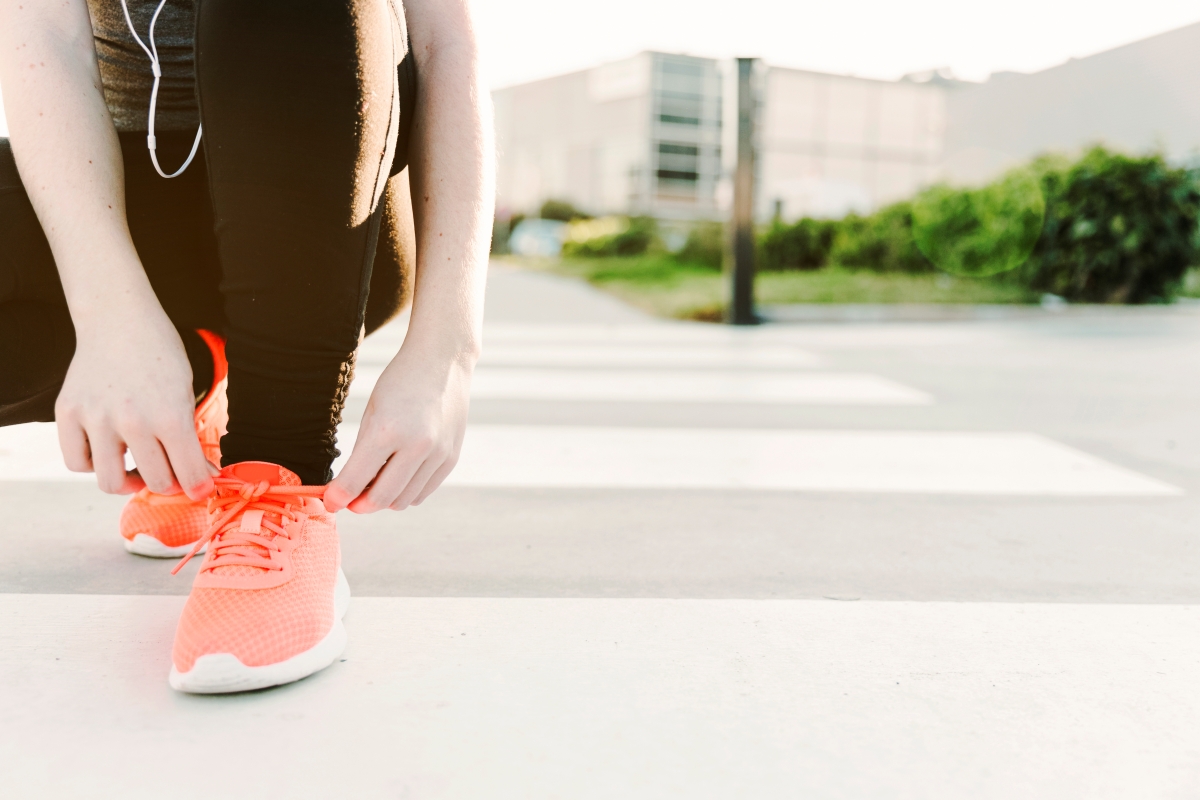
(129, 385)
(414, 423)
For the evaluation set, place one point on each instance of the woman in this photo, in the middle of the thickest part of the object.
(151, 314)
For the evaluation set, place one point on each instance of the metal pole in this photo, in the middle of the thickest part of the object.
(741, 307)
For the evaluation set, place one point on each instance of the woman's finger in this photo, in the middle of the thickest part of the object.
(366, 461)
(190, 469)
(73, 442)
(438, 477)
(108, 460)
(133, 483)
(152, 465)
(388, 484)
(416, 484)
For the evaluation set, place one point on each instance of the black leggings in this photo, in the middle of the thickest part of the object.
(292, 216)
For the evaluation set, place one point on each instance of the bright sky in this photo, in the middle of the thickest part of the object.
(527, 39)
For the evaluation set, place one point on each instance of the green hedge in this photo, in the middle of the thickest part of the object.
(640, 237)
(1118, 229)
(803, 245)
(1108, 228)
(882, 241)
(561, 210)
(705, 246)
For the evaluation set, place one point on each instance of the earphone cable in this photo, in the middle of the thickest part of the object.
(152, 54)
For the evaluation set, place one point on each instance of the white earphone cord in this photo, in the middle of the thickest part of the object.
(152, 54)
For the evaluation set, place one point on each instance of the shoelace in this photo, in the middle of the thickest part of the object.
(232, 546)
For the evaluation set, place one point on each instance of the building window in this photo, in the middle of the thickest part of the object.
(678, 108)
(678, 168)
(681, 94)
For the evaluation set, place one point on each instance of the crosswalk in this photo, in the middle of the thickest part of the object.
(533, 456)
(506, 692)
(678, 386)
(657, 363)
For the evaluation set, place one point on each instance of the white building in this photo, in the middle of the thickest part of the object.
(646, 135)
(829, 144)
(639, 136)
(1138, 98)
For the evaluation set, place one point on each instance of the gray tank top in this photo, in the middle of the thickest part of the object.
(125, 69)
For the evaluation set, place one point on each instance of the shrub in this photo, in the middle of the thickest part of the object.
(561, 210)
(980, 232)
(639, 236)
(705, 246)
(501, 231)
(1118, 229)
(499, 236)
(882, 241)
(805, 244)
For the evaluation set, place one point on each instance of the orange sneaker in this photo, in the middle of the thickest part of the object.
(266, 607)
(167, 525)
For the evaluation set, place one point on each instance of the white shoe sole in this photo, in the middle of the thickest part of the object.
(222, 673)
(143, 544)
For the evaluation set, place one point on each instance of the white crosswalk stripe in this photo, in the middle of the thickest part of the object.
(831, 461)
(668, 355)
(822, 461)
(676, 386)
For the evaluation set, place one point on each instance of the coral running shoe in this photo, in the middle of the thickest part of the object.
(266, 607)
(167, 525)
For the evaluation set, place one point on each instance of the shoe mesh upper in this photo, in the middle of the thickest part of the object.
(175, 520)
(266, 625)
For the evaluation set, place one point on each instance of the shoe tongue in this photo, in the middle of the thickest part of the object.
(256, 472)
(259, 471)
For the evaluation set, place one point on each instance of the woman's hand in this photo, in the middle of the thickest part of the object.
(410, 436)
(414, 424)
(129, 386)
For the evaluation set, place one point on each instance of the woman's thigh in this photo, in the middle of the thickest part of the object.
(171, 222)
(37, 339)
(27, 269)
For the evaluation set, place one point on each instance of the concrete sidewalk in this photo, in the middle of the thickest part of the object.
(838, 560)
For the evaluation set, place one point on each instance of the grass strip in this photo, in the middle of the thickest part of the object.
(660, 285)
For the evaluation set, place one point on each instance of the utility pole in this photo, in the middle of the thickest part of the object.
(741, 306)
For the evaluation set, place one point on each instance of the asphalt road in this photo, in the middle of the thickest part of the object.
(741, 620)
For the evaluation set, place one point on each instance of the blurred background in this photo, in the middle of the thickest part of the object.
(1061, 141)
(924, 152)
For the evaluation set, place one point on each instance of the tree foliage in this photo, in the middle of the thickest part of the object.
(1119, 229)
(980, 232)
